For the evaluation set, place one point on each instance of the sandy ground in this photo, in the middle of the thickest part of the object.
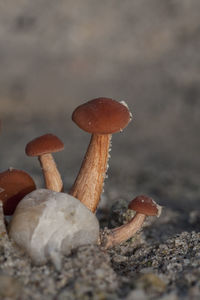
(54, 55)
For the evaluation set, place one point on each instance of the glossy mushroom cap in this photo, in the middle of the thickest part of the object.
(102, 116)
(44, 144)
(14, 185)
(145, 205)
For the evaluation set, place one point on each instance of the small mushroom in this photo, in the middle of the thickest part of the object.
(14, 185)
(144, 206)
(101, 117)
(42, 147)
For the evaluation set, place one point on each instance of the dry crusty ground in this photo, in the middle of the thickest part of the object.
(162, 262)
(53, 56)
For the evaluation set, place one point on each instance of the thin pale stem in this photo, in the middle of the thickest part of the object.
(89, 182)
(52, 176)
(123, 233)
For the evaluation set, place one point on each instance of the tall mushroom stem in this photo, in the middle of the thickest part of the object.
(52, 176)
(89, 182)
(120, 234)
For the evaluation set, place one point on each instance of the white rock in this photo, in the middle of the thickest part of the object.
(48, 224)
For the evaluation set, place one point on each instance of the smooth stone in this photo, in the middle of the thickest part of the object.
(48, 224)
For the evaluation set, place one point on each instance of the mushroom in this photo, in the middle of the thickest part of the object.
(144, 206)
(14, 185)
(42, 147)
(101, 117)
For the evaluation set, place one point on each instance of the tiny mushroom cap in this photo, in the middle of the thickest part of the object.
(145, 205)
(14, 185)
(102, 116)
(44, 144)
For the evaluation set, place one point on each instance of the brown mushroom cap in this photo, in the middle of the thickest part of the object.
(145, 205)
(14, 185)
(102, 116)
(44, 144)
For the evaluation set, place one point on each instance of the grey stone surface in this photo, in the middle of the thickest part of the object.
(48, 224)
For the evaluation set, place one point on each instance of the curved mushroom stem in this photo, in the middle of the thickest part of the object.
(123, 233)
(89, 182)
(52, 176)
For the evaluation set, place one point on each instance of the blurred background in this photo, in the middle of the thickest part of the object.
(55, 55)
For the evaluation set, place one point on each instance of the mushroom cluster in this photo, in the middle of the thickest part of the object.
(48, 223)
